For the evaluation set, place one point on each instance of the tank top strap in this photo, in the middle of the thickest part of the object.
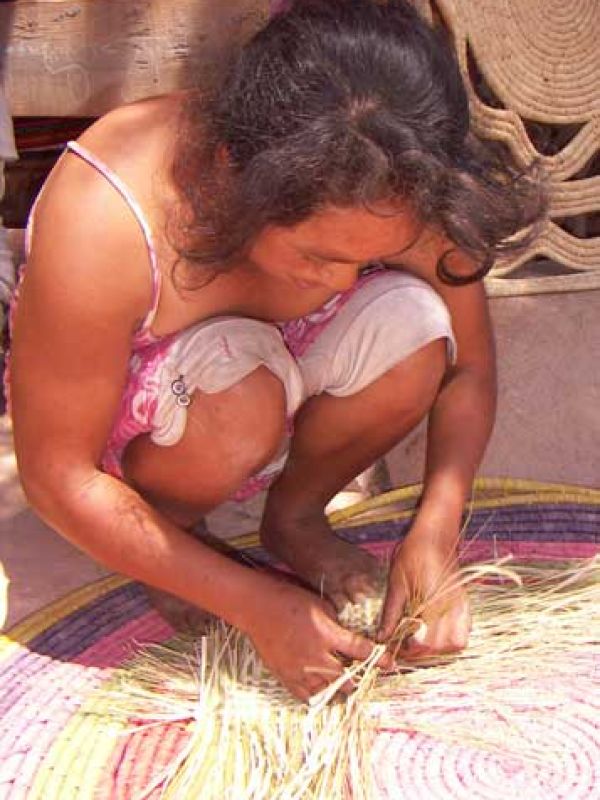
(128, 197)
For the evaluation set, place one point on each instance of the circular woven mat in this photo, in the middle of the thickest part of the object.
(58, 740)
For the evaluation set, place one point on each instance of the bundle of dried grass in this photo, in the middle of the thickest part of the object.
(249, 737)
(535, 626)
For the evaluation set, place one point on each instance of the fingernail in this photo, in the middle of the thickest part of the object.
(420, 634)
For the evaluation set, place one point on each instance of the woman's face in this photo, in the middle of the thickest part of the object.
(325, 253)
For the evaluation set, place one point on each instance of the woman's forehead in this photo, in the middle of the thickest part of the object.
(356, 233)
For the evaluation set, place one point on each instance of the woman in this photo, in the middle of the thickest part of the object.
(269, 284)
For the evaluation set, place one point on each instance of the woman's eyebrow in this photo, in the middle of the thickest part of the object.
(342, 259)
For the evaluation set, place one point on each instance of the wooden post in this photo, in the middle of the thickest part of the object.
(65, 58)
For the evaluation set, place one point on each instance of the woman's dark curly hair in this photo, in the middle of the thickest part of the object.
(344, 103)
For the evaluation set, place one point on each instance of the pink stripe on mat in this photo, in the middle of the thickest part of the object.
(486, 549)
(57, 691)
(139, 759)
(119, 646)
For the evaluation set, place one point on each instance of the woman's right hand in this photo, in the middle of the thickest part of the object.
(297, 635)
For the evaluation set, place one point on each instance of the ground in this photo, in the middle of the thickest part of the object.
(548, 429)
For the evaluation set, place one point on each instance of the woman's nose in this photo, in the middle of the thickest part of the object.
(340, 277)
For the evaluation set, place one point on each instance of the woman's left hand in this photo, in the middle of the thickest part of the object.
(425, 567)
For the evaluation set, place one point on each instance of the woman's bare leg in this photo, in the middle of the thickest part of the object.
(233, 434)
(335, 439)
(229, 436)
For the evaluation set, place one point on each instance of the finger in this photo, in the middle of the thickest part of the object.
(419, 637)
(464, 621)
(440, 637)
(452, 638)
(318, 688)
(300, 692)
(386, 662)
(328, 671)
(411, 650)
(353, 645)
(451, 632)
(313, 679)
(415, 644)
(393, 610)
(423, 642)
(347, 688)
(315, 687)
(359, 648)
(296, 687)
(310, 685)
(344, 687)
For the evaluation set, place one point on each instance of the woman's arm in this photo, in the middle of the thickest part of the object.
(462, 418)
(460, 424)
(87, 285)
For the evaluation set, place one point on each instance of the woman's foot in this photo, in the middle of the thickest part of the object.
(336, 569)
(182, 616)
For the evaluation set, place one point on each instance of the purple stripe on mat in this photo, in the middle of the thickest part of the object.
(483, 550)
(123, 643)
(565, 523)
(67, 638)
(548, 523)
(574, 521)
(480, 550)
(109, 612)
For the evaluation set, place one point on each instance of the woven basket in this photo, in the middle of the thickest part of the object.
(541, 61)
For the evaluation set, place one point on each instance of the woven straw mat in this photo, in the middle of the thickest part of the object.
(59, 740)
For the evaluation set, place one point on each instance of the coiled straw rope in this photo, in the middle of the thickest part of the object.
(541, 60)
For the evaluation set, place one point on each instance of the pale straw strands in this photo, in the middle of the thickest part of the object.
(535, 642)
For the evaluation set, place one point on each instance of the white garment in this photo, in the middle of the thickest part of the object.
(383, 323)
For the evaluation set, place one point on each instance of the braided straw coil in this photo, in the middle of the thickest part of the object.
(541, 58)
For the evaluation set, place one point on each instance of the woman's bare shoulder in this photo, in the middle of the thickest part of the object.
(126, 140)
(136, 140)
(79, 210)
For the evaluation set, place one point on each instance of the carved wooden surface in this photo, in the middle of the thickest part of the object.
(83, 58)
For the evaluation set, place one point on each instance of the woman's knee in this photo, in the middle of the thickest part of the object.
(217, 357)
(251, 418)
(225, 389)
(228, 436)
(397, 326)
